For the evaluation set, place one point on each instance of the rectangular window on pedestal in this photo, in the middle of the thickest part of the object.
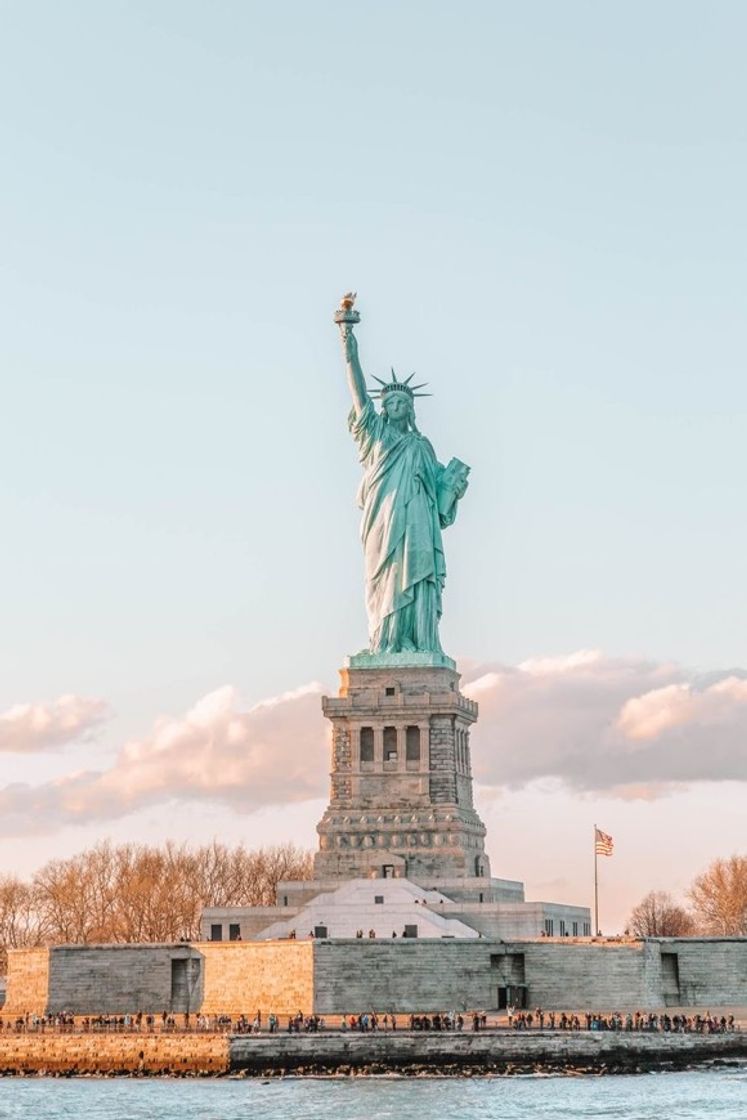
(390, 744)
(367, 744)
(412, 744)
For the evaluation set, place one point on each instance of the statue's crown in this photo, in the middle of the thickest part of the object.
(395, 386)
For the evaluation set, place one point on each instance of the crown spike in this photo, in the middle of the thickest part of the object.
(396, 386)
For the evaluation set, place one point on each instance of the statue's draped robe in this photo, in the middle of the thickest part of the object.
(401, 534)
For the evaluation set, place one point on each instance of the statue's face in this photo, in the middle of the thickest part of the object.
(397, 406)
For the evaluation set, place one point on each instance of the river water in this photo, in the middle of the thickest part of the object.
(711, 1095)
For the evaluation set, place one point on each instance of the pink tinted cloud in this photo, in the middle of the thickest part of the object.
(217, 751)
(657, 712)
(30, 728)
(634, 729)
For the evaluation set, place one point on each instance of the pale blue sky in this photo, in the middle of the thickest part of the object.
(542, 207)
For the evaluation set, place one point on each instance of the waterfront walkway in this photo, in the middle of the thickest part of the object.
(670, 1021)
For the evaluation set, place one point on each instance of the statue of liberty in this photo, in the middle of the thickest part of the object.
(407, 498)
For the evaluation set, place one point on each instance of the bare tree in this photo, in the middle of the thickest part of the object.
(19, 919)
(274, 865)
(76, 897)
(137, 892)
(658, 915)
(719, 897)
(19, 923)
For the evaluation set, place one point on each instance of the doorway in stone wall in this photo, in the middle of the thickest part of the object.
(185, 975)
(515, 995)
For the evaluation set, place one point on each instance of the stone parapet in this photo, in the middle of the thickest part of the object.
(402, 705)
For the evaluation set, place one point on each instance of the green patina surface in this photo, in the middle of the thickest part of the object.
(407, 660)
(408, 498)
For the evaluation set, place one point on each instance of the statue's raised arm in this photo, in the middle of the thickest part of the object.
(346, 317)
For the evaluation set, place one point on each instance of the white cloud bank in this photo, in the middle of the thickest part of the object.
(272, 753)
(29, 728)
(630, 728)
(626, 726)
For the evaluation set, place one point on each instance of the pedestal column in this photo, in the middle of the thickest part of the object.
(420, 821)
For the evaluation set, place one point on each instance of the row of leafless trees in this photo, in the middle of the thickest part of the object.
(135, 892)
(717, 905)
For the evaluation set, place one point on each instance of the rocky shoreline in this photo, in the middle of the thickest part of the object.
(490, 1071)
(488, 1054)
(402, 1073)
(599, 1066)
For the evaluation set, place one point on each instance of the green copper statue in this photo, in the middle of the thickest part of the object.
(407, 498)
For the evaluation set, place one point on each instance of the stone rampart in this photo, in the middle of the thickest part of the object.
(28, 982)
(709, 971)
(433, 975)
(402, 975)
(269, 976)
(594, 975)
(118, 979)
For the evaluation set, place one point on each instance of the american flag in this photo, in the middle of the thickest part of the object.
(604, 845)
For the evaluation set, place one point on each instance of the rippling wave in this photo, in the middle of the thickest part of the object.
(706, 1095)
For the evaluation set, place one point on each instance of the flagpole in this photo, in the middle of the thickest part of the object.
(596, 886)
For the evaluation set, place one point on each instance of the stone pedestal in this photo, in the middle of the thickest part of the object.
(401, 797)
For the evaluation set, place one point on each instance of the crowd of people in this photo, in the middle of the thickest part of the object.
(538, 1020)
(450, 1021)
(65, 1022)
(632, 1021)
